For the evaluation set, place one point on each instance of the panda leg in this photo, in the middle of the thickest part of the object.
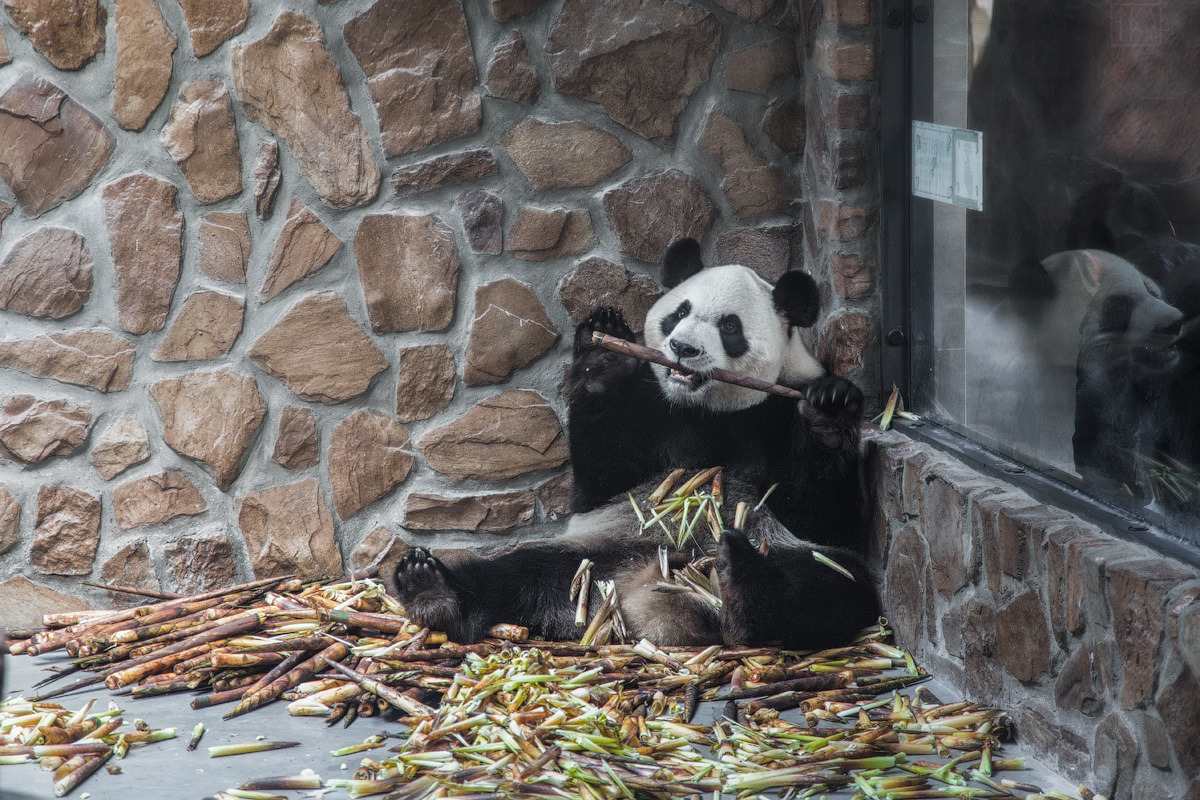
(425, 590)
(665, 618)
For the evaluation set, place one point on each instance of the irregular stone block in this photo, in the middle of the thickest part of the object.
(213, 22)
(649, 213)
(751, 185)
(129, 566)
(482, 215)
(1185, 629)
(369, 455)
(504, 10)
(66, 531)
(424, 381)
(50, 147)
(200, 563)
(1082, 683)
(381, 549)
(420, 71)
(288, 83)
(767, 251)
(211, 417)
(145, 229)
(541, 234)
(202, 139)
(984, 679)
(490, 512)
(144, 48)
(5, 210)
(4, 57)
(225, 246)
(47, 273)
(319, 351)
(560, 154)
(844, 337)
(904, 597)
(749, 10)
(266, 178)
(783, 123)
(69, 37)
(304, 246)
(155, 500)
(23, 603)
(500, 437)
(93, 358)
(853, 275)
(510, 330)
(752, 69)
(452, 168)
(596, 282)
(639, 59)
(1115, 752)
(205, 327)
(510, 73)
(555, 497)
(33, 430)
(296, 442)
(409, 268)
(1137, 593)
(10, 519)
(1179, 706)
(288, 530)
(1023, 637)
(845, 60)
(121, 446)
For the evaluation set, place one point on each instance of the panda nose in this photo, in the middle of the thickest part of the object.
(683, 350)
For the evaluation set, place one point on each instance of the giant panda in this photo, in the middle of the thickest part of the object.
(630, 423)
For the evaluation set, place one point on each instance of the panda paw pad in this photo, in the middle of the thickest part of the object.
(420, 574)
(835, 396)
(606, 320)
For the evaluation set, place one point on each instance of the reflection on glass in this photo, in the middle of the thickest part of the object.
(1067, 323)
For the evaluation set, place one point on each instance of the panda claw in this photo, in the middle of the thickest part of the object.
(834, 396)
(606, 320)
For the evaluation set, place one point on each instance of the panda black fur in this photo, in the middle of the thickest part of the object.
(629, 424)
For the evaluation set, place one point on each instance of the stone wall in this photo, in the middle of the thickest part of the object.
(282, 282)
(1091, 643)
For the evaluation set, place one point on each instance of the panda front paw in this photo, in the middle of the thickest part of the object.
(596, 370)
(424, 590)
(834, 397)
(606, 320)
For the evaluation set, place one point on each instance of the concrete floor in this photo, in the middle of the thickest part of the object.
(167, 771)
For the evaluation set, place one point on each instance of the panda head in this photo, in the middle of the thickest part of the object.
(728, 317)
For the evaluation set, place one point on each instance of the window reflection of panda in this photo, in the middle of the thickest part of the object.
(630, 423)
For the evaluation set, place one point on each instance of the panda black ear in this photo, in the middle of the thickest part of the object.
(797, 298)
(680, 262)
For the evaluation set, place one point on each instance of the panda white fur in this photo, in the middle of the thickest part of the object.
(629, 424)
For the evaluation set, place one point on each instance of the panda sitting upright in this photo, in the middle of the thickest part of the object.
(630, 423)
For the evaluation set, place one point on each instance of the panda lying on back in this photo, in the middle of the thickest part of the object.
(630, 423)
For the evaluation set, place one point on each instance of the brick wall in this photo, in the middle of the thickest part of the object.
(1091, 643)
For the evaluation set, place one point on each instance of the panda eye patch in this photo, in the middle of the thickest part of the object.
(683, 310)
(730, 324)
(732, 336)
(668, 322)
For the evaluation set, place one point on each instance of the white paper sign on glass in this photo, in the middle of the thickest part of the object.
(947, 164)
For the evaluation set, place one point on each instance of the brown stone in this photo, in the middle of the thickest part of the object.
(767, 251)
(420, 71)
(749, 10)
(424, 381)
(369, 455)
(50, 147)
(288, 83)
(564, 154)
(500, 437)
(5, 210)
(266, 178)
(382, 550)
(853, 275)
(145, 230)
(752, 69)
(156, 499)
(205, 327)
(1179, 707)
(504, 10)
(947, 494)
(651, 212)
(4, 57)
(1158, 742)
(211, 417)
(845, 221)
(540, 234)
(453, 168)
(555, 497)
(510, 330)
(1185, 629)
(94, 358)
(490, 512)
(212, 22)
(296, 445)
(319, 351)
(752, 185)
(129, 566)
(304, 246)
(510, 73)
(225, 246)
(1115, 752)
(199, 563)
(482, 216)
(904, 597)
(288, 530)
(47, 273)
(1137, 593)
(784, 124)
(33, 430)
(10, 519)
(68, 36)
(1023, 637)
(984, 678)
(845, 60)
(23, 603)
(66, 531)
(848, 13)
(144, 48)
(409, 268)
(639, 59)
(201, 138)
(121, 446)
(1082, 683)
(844, 337)
(596, 282)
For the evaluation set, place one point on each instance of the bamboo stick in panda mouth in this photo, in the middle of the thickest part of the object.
(725, 376)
